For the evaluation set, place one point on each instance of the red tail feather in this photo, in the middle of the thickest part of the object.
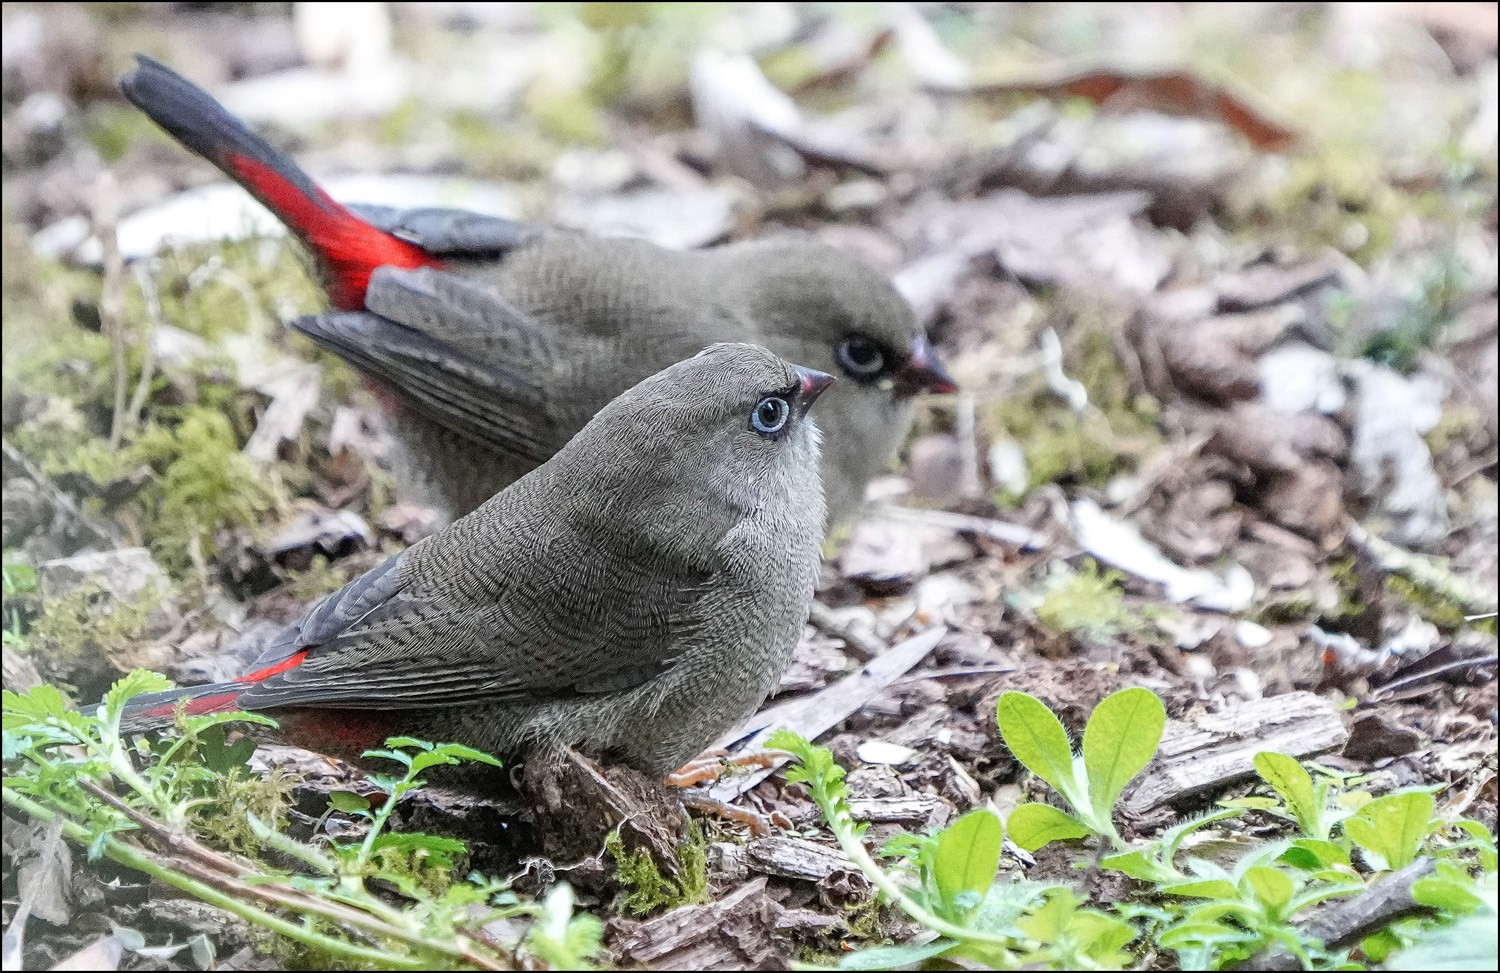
(349, 248)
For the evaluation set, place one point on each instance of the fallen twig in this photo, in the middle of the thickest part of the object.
(147, 284)
(112, 295)
(1343, 924)
(1380, 692)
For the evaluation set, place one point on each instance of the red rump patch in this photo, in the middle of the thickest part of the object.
(203, 705)
(347, 246)
(261, 675)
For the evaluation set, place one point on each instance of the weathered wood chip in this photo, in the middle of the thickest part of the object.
(733, 933)
(1216, 749)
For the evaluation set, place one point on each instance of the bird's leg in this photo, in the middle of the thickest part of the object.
(759, 826)
(714, 764)
(710, 767)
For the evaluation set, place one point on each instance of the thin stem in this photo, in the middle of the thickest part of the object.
(855, 849)
(125, 855)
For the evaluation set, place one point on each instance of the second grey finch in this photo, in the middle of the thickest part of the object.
(497, 340)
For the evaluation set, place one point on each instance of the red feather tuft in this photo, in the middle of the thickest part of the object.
(261, 675)
(348, 247)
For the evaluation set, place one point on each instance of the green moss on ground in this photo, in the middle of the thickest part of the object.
(1089, 602)
(89, 621)
(646, 888)
(1115, 430)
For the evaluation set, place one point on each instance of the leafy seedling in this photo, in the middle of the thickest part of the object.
(1119, 741)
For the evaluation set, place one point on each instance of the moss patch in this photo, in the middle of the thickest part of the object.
(646, 888)
(1088, 602)
(1115, 430)
(90, 621)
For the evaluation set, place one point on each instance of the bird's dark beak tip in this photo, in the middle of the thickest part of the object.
(811, 383)
(924, 371)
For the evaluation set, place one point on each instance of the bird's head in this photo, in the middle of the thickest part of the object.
(711, 440)
(840, 314)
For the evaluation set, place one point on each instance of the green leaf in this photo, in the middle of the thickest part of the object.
(967, 857)
(1038, 740)
(1273, 887)
(1033, 825)
(1392, 828)
(395, 755)
(1289, 779)
(1454, 895)
(460, 752)
(450, 753)
(1310, 855)
(890, 957)
(1137, 865)
(349, 802)
(222, 757)
(1468, 944)
(1121, 738)
(407, 743)
(1212, 888)
(441, 850)
(136, 683)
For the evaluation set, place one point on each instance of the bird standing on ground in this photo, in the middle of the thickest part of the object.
(632, 597)
(500, 339)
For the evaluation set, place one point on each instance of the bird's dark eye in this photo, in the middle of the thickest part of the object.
(770, 415)
(860, 358)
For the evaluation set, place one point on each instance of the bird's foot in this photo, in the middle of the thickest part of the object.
(760, 825)
(713, 765)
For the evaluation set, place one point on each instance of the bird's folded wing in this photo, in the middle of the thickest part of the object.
(529, 631)
(449, 232)
(461, 354)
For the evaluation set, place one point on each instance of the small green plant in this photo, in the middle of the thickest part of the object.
(1121, 738)
(947, 883)
(19, 579)
(1209, 916)
(1316, 809)
(1247, 910)
(142, 804)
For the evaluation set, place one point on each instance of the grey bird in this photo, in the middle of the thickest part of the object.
(632, 597)
(498, 340)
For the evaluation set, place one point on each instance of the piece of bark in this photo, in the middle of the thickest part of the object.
(912, 808)
(578, 803)
(1214, 750)
(733, 933)
(783, 857)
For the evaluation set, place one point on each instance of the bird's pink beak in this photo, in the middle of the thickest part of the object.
(924, 370)
(811, 383)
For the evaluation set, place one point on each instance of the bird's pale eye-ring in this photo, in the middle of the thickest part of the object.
(861, 358)
(770, 415)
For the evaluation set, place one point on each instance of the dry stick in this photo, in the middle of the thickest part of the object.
(1344, 924)
(1381, 692)
(135, 857)
(59, 499)
(144, 276)
(112, 295)
(968, 446)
